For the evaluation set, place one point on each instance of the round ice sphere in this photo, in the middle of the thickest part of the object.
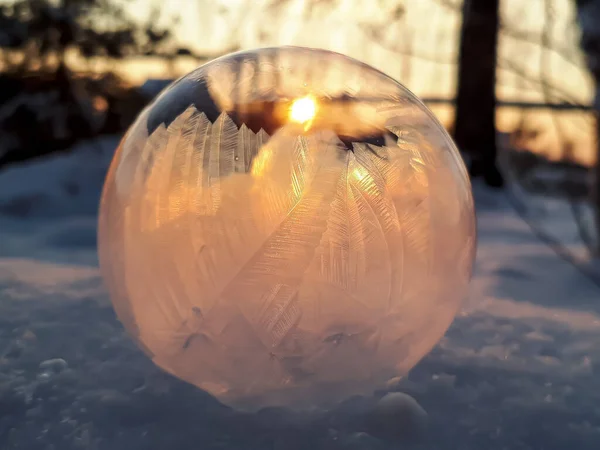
(286, 226)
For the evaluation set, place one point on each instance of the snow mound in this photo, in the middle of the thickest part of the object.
(59, 185)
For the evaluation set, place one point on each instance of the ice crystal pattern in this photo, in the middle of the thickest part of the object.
(277, 263)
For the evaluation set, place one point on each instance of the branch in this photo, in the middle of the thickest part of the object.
(559, 93)
(374, 33)
(523, 36)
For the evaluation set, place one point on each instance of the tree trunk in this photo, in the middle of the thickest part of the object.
(596, 192)
(589, 20)
(475, 118)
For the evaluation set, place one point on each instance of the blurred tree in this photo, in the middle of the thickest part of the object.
(39, 39)
(37, 34)
(475, 120)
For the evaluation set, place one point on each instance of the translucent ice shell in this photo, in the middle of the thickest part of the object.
(286, 226)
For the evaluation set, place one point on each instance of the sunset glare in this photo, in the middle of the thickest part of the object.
(303, 110)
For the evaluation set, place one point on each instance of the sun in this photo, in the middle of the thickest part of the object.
(303, 110)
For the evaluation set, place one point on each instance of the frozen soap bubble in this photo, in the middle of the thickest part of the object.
(286, 226)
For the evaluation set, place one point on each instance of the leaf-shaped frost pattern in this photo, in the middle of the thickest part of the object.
(301, 155)
(407, 178)
(170, 265)
(352, 262)
(244, 149)
(416, 226)
(223, 140)
(224, 241)
(170, 192)
(149, 185)
(415, 220)
(167, 189)
(286, 254)
(251, 209)
(220, 238)
(280, 312)
(199, 201)
(150, 300)
(385, 162)
(377, 187)
(335, 254)
(248, 146)
(411, 140)
(172, 272)
(182, 132)
(281, 170)
(262, 137)
(191, 200)
(374, 180)
(170, 205)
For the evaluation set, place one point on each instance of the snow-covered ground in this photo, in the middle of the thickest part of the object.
(519, 368)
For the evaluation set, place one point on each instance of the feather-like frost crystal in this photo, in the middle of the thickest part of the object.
(274, 251)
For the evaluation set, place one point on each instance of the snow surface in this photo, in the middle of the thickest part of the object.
(519, 368)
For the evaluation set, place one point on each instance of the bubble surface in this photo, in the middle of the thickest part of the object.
(286, 226)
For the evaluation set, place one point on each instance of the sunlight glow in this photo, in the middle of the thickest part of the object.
(303, 110)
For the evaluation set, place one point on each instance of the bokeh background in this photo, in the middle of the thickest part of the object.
(114, 54)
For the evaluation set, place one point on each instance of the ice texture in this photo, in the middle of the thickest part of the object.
(271, 262)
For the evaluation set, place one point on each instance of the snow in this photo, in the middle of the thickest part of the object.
(519, 368)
